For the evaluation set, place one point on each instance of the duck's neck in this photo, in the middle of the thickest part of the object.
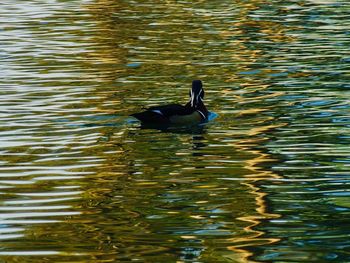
(197, 106)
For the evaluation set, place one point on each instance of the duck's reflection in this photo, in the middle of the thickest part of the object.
(195, 129)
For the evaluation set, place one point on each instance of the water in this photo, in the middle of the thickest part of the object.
(265, 181)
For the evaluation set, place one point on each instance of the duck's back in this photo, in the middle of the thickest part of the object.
(171, 110)
(162, 114)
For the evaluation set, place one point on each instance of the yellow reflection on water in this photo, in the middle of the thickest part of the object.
(254, 237)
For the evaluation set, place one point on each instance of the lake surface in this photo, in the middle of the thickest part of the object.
(268, 180)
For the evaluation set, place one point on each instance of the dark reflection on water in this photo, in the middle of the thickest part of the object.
(265, 181)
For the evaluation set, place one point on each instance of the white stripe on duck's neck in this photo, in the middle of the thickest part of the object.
(195, 98)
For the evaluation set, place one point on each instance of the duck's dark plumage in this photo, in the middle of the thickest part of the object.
(193, 112)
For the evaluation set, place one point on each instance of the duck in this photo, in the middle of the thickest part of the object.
(193, 112)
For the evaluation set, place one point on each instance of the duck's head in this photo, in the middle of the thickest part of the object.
(196, 93)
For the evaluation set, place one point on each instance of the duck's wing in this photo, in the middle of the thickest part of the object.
(171, 110)
(149, 116)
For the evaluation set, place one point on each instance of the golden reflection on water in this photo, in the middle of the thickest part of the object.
(238, 53)
(256, 173)
(271, 31)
